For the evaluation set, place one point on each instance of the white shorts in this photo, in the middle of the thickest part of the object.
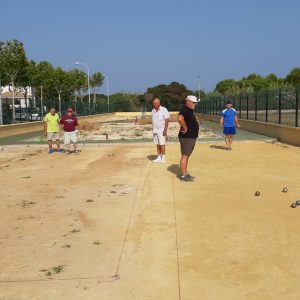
(159, 139)
(51, 136)
(70, 137)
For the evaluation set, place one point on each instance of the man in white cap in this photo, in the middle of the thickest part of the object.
(188, 134)
(160, 122)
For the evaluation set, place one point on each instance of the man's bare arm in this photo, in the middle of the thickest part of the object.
(221, 121)
(45, 128)
(166, 127)
(237, 122)
(182, 123)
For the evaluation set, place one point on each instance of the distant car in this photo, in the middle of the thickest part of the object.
(27, 114)
(35, 115)
(21, 114)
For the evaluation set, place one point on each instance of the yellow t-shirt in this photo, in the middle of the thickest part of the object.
(52, 122)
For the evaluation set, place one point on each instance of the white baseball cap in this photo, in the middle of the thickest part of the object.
(192, 98)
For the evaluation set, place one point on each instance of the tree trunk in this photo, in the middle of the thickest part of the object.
(94, 101)
(33, 98)
(13, 101)
(59, 99)
(75, 104)
(81, 99)
(42, 105)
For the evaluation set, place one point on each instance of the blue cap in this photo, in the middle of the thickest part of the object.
(228, 102)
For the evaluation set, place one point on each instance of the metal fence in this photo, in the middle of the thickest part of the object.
(272, 106)
(37, 112)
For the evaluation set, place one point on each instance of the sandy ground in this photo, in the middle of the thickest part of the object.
(110, 224)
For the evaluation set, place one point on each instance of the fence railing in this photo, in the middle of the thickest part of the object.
(38, 111)
(272, 106)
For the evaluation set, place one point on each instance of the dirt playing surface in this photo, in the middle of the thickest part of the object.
(115, 128)
(110, 224)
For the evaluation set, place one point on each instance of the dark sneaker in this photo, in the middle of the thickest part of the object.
(185, 178)
(50, 151)
(190, 176)
(60, 150)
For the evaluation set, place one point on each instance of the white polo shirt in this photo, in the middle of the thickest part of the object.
(158, 119)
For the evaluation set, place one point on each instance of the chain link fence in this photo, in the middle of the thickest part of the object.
(271, 106)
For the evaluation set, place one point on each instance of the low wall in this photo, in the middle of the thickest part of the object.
(138, 114)
(16, 129)
(21, 128)
(284, 134)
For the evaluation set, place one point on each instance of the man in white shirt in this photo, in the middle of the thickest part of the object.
(160, 122)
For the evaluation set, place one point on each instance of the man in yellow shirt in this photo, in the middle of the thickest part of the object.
(51, 129)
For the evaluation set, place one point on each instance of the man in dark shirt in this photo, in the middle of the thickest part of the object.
(70, 126)
(189, 130)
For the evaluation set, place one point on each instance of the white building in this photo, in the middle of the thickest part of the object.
(24, 97)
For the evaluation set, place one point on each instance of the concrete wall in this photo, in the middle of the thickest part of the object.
(21, 128)
(284, 134)
(16, 129)
(138, 114)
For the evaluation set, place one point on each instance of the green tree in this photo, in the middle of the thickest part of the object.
(42, 79)
(59, 80)
(78, 86)
(27, 80)
(256, 81)
(225, 87)
(95, 82)
(171, 95)
(126, 101)
(202, 94)
(293, 77)
(12, 63)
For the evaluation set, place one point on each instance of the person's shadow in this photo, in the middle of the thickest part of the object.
(151, 157)
(175, 169)
(218, 147)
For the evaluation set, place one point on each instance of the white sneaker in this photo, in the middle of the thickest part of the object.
(163, 160)
(158, 160)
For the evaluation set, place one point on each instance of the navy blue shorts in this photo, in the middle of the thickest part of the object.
(229, 130)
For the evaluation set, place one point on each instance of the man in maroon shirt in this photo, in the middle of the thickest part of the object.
(69, 124)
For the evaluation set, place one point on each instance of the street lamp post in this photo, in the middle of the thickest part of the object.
(88, 73)
(107, 86)
(199, 87)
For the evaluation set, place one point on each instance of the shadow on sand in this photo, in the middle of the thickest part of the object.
(151, 157)
(218, 147)
(175, 169)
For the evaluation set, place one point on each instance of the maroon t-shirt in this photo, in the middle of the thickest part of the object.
(69, 123)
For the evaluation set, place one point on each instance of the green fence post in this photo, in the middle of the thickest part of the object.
(279, 108)
(297, 107)
(256, 106)
(240, 104)
(267, 105)
(247, 106)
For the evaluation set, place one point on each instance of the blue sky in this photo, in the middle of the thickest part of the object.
(139, 44)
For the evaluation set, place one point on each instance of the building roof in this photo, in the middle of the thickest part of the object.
(7, 93)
